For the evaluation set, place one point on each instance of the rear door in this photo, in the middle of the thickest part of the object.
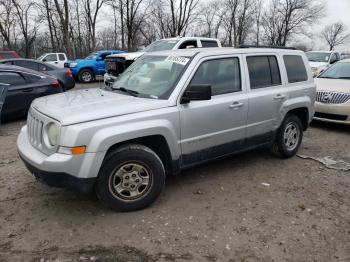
(215, 127)
(20, 93)
(266, 96)
(61, 60)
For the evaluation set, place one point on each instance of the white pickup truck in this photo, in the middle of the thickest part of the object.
(57, 59)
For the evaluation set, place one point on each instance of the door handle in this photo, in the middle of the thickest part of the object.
(27, 90)
(279, 97)
(236, 105)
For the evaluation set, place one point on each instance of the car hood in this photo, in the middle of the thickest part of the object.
(318, 64)
(92, 104)
(333, 85)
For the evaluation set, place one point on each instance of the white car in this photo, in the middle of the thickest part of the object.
(57, 59)
(333, 93)
(321, 60)
(116, 64)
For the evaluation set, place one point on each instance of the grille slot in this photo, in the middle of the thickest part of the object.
(35, 130)
(327, 97)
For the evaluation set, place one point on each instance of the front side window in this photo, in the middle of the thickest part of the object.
(91, 56)
(152, 76)
(208, 43)
(295, 67)
(263, 71)
(51, 58)
(61, 57)
(223, 75)
(27, 64)
(340, 70)
(11, 78)
(161, 45)
(318, 56)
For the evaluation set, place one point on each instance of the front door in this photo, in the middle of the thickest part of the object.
(215, 127)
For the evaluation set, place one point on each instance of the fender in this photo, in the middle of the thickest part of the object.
(295, 103)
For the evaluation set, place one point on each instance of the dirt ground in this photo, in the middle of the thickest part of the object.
(250, 207)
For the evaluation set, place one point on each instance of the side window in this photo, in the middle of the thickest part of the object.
(189, 44)
(7, 56)
(31, 78)
(208, 43)
(223, 75)
(27, 64)
(295, 67)
(11, 78)
(50, 58)
(61, 57)
(263, 71)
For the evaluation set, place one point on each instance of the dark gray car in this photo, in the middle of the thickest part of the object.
(3, 92)
(63, 75)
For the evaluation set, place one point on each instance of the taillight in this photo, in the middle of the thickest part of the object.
(68, 73)
(55, 84)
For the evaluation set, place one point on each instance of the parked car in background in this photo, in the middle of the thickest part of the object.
(3, 93)
(86, 70)
(24, 85)
(333, 93)
(63, 75)
(344, 56)
(9, 54)
(173, 110)
(56, 59)
(116, 64)
(320, 60)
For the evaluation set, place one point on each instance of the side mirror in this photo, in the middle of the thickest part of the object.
(196, 93)
(44, 60)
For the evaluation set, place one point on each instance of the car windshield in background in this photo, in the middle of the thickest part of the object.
(91, 56)
(161, 45)
(318, 57)
(151, 76)
(337, 71)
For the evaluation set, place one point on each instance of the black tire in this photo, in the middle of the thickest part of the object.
(127, 160)
(86, 76)
(281, 146)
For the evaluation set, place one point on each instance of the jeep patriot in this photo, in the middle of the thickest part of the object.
(168, 111)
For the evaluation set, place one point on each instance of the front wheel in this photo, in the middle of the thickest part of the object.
(86, 76)
(288, 137)
(131, 178)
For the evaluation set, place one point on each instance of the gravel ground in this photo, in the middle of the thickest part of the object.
(250, 207)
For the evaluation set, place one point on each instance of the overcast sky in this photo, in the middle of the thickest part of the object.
(337, 10)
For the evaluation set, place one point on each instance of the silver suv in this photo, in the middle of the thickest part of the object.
(169, 111)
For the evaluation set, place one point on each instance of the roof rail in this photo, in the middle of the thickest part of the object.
(266, 46)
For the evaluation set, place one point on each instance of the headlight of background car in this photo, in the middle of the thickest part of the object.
(73, 65)
(52, 133)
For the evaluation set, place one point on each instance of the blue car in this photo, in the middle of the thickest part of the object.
(86, 70)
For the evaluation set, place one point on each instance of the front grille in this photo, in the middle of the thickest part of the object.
(35, 129)
(331, 116)
(327, 97)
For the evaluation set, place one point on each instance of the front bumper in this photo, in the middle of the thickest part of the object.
(78, 173)
(336, 113)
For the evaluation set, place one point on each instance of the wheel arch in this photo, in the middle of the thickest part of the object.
(303, 114)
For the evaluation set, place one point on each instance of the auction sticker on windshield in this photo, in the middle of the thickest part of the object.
(177, 59)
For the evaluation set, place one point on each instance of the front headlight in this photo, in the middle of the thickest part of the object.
(72, 65)
(52, 133)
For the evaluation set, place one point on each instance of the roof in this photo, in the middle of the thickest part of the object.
(104, 51)
(20, 69)
(220, 50)
(320, 51)
(190, 37)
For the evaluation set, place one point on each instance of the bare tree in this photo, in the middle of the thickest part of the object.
(211, 16)
(335, 34)
(63, 13)
(7, 21)
(286, 17)
(91, 9)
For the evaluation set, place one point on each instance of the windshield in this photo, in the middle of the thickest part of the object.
(91, 56)
(318, 57)
(161, 45)
(337, 71)
(152, 76)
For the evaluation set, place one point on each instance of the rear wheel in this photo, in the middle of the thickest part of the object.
(131, 178)
(86, 76)
(288, 137)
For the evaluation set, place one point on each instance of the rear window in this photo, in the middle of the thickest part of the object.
(11, 78)
(263, 71)
(295, 67)
(27, 64)
(207, 43)
(31, 78)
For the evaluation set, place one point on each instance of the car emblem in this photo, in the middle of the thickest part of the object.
(327, 97)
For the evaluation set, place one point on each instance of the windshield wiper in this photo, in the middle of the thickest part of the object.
(128, 91)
